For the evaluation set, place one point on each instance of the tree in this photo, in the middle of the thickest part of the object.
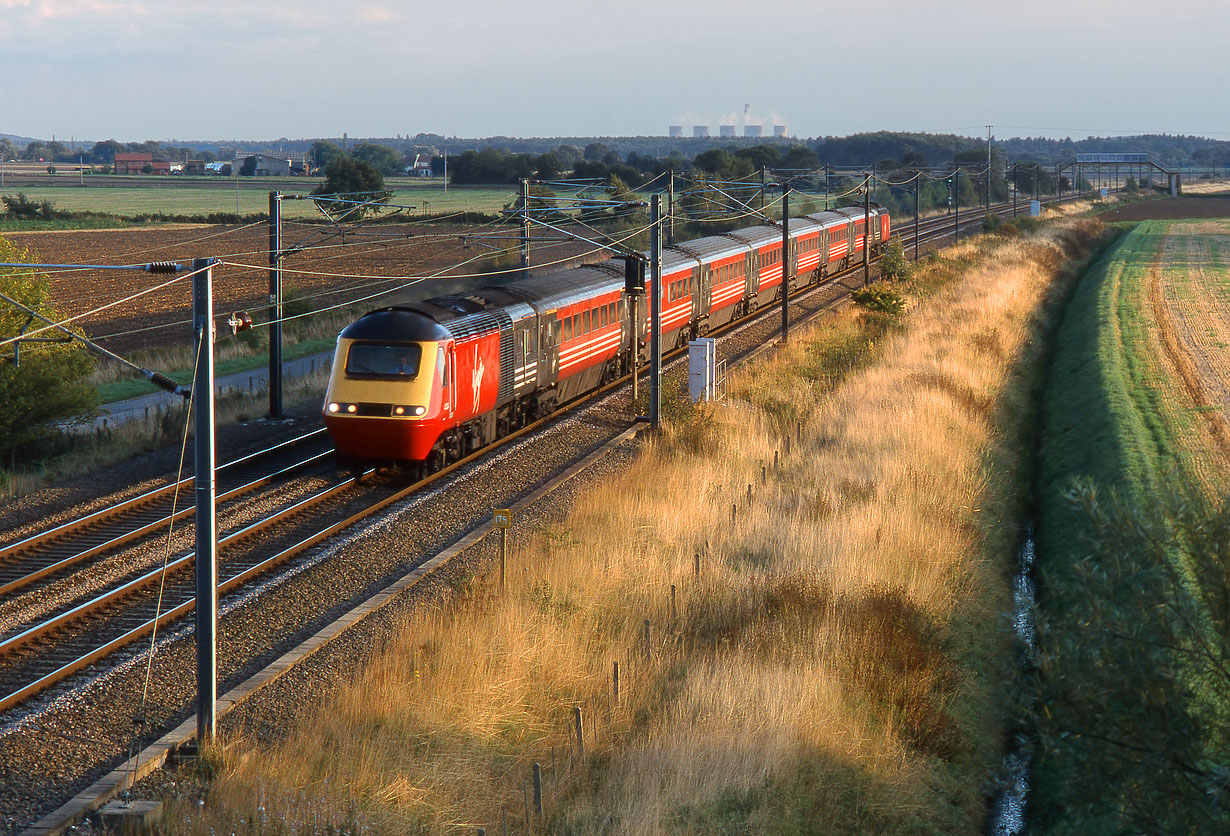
(384, 159)
(324, 153)
(248, 169)
(617, 189)
(586, 170)
(51, 381)
(351, 180)
(568, 156)
(490, 166)
(800, 157)
(714, 161)
(104, 152)
(595, 151)
(894, 266)
(760, 156)
(547, 166)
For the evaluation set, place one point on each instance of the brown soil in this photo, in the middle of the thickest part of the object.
(367, 261)
(1190, 297)
(1171, 208)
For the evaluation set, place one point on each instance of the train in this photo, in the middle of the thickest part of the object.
(420, 384)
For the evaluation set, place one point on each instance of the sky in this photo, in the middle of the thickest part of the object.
(184, 70)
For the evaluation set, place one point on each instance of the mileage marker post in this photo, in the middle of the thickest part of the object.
(501, 518)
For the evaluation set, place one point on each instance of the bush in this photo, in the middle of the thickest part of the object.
(881, 298)
(894, 266)
(50, 383)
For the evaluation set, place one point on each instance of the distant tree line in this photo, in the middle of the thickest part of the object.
(600, 156)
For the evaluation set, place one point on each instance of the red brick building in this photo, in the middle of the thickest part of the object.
(132, 163)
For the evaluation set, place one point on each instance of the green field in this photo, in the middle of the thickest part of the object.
(1133, 686)
(202, 196)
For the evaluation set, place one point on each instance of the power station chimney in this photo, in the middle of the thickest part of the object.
(726, 131)
(676, 131)
(753, 130)
(700, 130)
(779, 131)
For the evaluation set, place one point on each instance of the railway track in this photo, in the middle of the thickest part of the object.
(76, 636)
(435, 512)
(51, 552)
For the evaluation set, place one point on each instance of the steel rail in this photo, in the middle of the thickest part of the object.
(147, 528)
(103, 514)
(271, 562)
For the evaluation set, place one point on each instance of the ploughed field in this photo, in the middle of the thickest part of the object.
(368, 261)
(1189, 295)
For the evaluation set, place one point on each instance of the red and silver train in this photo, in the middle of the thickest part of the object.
(427, 382)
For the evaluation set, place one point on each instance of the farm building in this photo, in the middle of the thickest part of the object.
(421, 166)
(265, 165)
(135, 164)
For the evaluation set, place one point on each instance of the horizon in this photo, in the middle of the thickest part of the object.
(739, 138)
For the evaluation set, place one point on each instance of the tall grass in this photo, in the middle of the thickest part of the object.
(836, 666)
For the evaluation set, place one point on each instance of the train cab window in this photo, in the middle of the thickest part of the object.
(372, 360)
(442, 368)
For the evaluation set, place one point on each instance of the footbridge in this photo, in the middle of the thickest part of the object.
(1111, 169)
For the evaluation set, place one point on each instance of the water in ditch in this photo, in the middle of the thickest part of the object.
(1008, 818)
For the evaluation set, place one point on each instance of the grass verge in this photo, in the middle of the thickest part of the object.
(837, 665)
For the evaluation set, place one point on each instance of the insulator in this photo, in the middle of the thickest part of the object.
(162, 267)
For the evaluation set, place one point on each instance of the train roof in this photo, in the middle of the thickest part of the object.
(712, 248)
(829, 217)
(566, 287)
(396, 324)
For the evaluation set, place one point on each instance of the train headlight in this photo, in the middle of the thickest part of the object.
(333, 407)
(352, 408)
(399, 410)
(417, 410)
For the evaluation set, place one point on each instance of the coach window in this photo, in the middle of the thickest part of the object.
(576, 325)
(614, 314)
(585, 321)
(568, 329)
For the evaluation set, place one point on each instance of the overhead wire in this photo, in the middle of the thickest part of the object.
(178, 278)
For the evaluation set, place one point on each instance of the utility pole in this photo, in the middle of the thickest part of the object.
(525, 225)
(446, 171)
(989, 169)
(206, 530)
(826, 187)
(275, 306)
(867, 232)
(764, 186)
(634, 288)
(917, 183)
(1014, 179)
(670, 209)
(655, 312)
(956, 204)
(785, 260)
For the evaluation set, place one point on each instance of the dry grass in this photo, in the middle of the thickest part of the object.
(836, 667)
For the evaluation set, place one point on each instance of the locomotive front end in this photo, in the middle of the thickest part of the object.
(387, 400)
